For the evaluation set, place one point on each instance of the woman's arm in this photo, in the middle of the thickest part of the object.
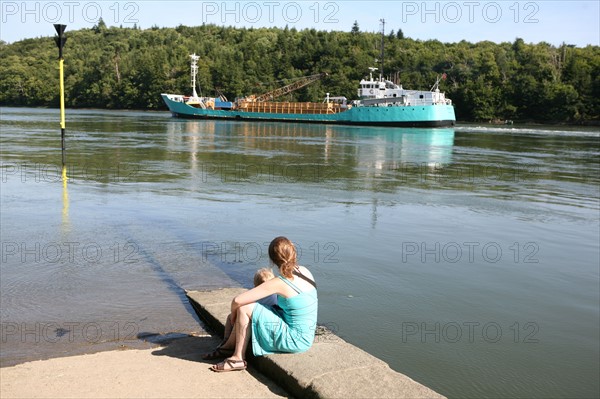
(267, 288)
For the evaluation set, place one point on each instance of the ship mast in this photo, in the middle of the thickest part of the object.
(382, 52)
(195, 59)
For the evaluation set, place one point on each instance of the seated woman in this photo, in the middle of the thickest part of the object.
(288, 327)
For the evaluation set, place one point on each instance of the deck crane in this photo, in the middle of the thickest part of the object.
(305, 81)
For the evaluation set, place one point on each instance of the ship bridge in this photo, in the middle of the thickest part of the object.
(383, 92)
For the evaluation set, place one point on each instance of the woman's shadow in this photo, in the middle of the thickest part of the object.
(182, 346)
(191, 348)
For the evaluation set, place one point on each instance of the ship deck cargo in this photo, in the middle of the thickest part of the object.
(291, 107)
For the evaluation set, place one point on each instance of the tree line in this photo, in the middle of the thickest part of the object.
(128, 68)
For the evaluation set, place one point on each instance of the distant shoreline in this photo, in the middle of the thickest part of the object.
(516, 123)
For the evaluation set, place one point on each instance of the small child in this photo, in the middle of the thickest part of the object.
(260, 277)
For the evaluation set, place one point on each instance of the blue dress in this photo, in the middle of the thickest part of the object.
(288, 327)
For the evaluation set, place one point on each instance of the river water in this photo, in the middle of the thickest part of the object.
(466, 258)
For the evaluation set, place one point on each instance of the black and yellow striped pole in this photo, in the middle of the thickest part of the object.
(60, 42)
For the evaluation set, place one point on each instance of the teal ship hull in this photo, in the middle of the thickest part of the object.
(436, 115)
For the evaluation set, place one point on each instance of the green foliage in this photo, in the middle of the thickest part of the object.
(109, 67)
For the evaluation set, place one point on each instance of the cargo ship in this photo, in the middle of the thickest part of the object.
(380, 102)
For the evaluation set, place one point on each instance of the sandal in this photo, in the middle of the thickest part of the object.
(218, 354)
(220, 367)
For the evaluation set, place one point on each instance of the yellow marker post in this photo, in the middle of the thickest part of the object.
(60, 42)
(62, 114)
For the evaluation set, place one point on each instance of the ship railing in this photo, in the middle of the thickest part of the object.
(176, 98)
(421, 102)
(399, 101)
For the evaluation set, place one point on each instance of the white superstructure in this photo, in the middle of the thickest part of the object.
(383, 93)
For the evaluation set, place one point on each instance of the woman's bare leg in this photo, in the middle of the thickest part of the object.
(228, 328)
(229, 336)
(226, 345)
(242, 331)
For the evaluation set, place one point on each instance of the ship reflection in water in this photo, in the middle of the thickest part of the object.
(347, 158)
(415, 150)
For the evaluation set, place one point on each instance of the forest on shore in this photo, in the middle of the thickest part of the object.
(128, 68)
